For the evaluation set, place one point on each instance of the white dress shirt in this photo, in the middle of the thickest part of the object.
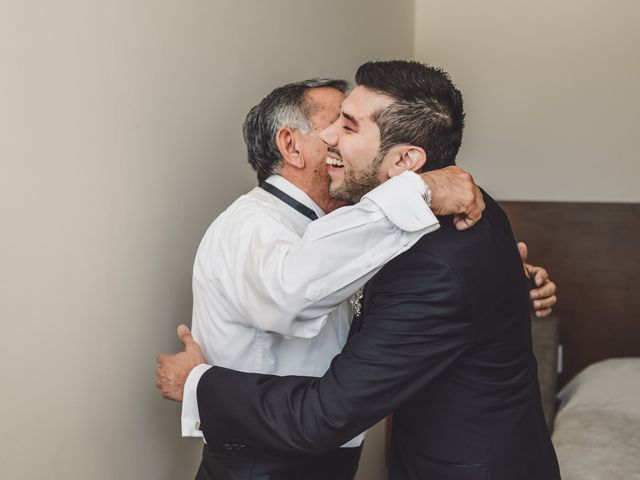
(271, 287)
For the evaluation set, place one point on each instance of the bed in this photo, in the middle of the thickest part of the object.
(597, 427)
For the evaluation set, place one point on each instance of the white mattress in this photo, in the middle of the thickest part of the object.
(597, 428)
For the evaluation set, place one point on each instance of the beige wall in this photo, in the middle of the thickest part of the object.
(551, 93)
(120, 142)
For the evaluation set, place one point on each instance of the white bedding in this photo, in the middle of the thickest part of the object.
(597, 429)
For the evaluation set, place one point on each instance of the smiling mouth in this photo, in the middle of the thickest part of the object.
(334, 162)
(333, 159)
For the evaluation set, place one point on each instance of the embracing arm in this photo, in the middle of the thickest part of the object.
(416, 326)
(287, 284)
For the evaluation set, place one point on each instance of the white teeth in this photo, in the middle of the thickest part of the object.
(334, 162)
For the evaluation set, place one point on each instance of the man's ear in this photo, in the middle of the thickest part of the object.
(287, 142)
(407, 157)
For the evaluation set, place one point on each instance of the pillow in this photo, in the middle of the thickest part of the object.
(612, 384)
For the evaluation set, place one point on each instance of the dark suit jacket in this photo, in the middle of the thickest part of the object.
(444, 342)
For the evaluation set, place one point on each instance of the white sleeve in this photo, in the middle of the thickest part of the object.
(190, 417)
(288, 285)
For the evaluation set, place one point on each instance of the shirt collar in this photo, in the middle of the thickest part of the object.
(290, 189)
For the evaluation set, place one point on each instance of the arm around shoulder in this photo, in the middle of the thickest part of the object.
(414, 327)
(287, 283)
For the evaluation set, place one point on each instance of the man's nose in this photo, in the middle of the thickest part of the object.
(329, 135)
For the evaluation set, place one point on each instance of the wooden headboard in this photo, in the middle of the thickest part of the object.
(592, 251)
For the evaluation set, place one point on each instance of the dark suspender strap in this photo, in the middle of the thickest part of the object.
(292, 202)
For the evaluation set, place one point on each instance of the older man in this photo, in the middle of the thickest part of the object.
(268, 285)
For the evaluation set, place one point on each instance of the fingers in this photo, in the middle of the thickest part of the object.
(454, 192)
(538, 275)
(190, 345)
(472, 210)
(542, 313)
(543, 297)
(547, 290)
(464, 222)
(469, 191)
(168, 384)
(523, 250)
(545, 303)
(460, 221)
(162, 383)
(479, 201)
(184, 334)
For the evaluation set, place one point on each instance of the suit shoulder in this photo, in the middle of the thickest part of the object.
(416, 271)
(447, 241)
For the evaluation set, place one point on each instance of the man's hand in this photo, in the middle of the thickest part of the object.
(173, 370)
(543, 297)
(453, 192)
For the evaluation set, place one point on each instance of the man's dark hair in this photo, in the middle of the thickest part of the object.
(427, 111)
(283, 107)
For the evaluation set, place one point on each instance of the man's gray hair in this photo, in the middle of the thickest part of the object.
(283, 107)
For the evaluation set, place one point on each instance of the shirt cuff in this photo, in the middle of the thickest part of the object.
(190, 417)
(401, 199)
(355, 442)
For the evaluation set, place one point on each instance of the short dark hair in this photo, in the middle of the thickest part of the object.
(427, 112)
(283, 107)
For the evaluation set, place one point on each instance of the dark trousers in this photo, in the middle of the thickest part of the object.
(340, 464)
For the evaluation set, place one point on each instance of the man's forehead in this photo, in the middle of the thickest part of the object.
(322, 101)
(323, 96)
(362, 103)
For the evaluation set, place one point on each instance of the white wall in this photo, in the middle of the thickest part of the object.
(120, 142)
(551, 93)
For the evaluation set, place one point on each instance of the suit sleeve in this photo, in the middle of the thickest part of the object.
(415, 325)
